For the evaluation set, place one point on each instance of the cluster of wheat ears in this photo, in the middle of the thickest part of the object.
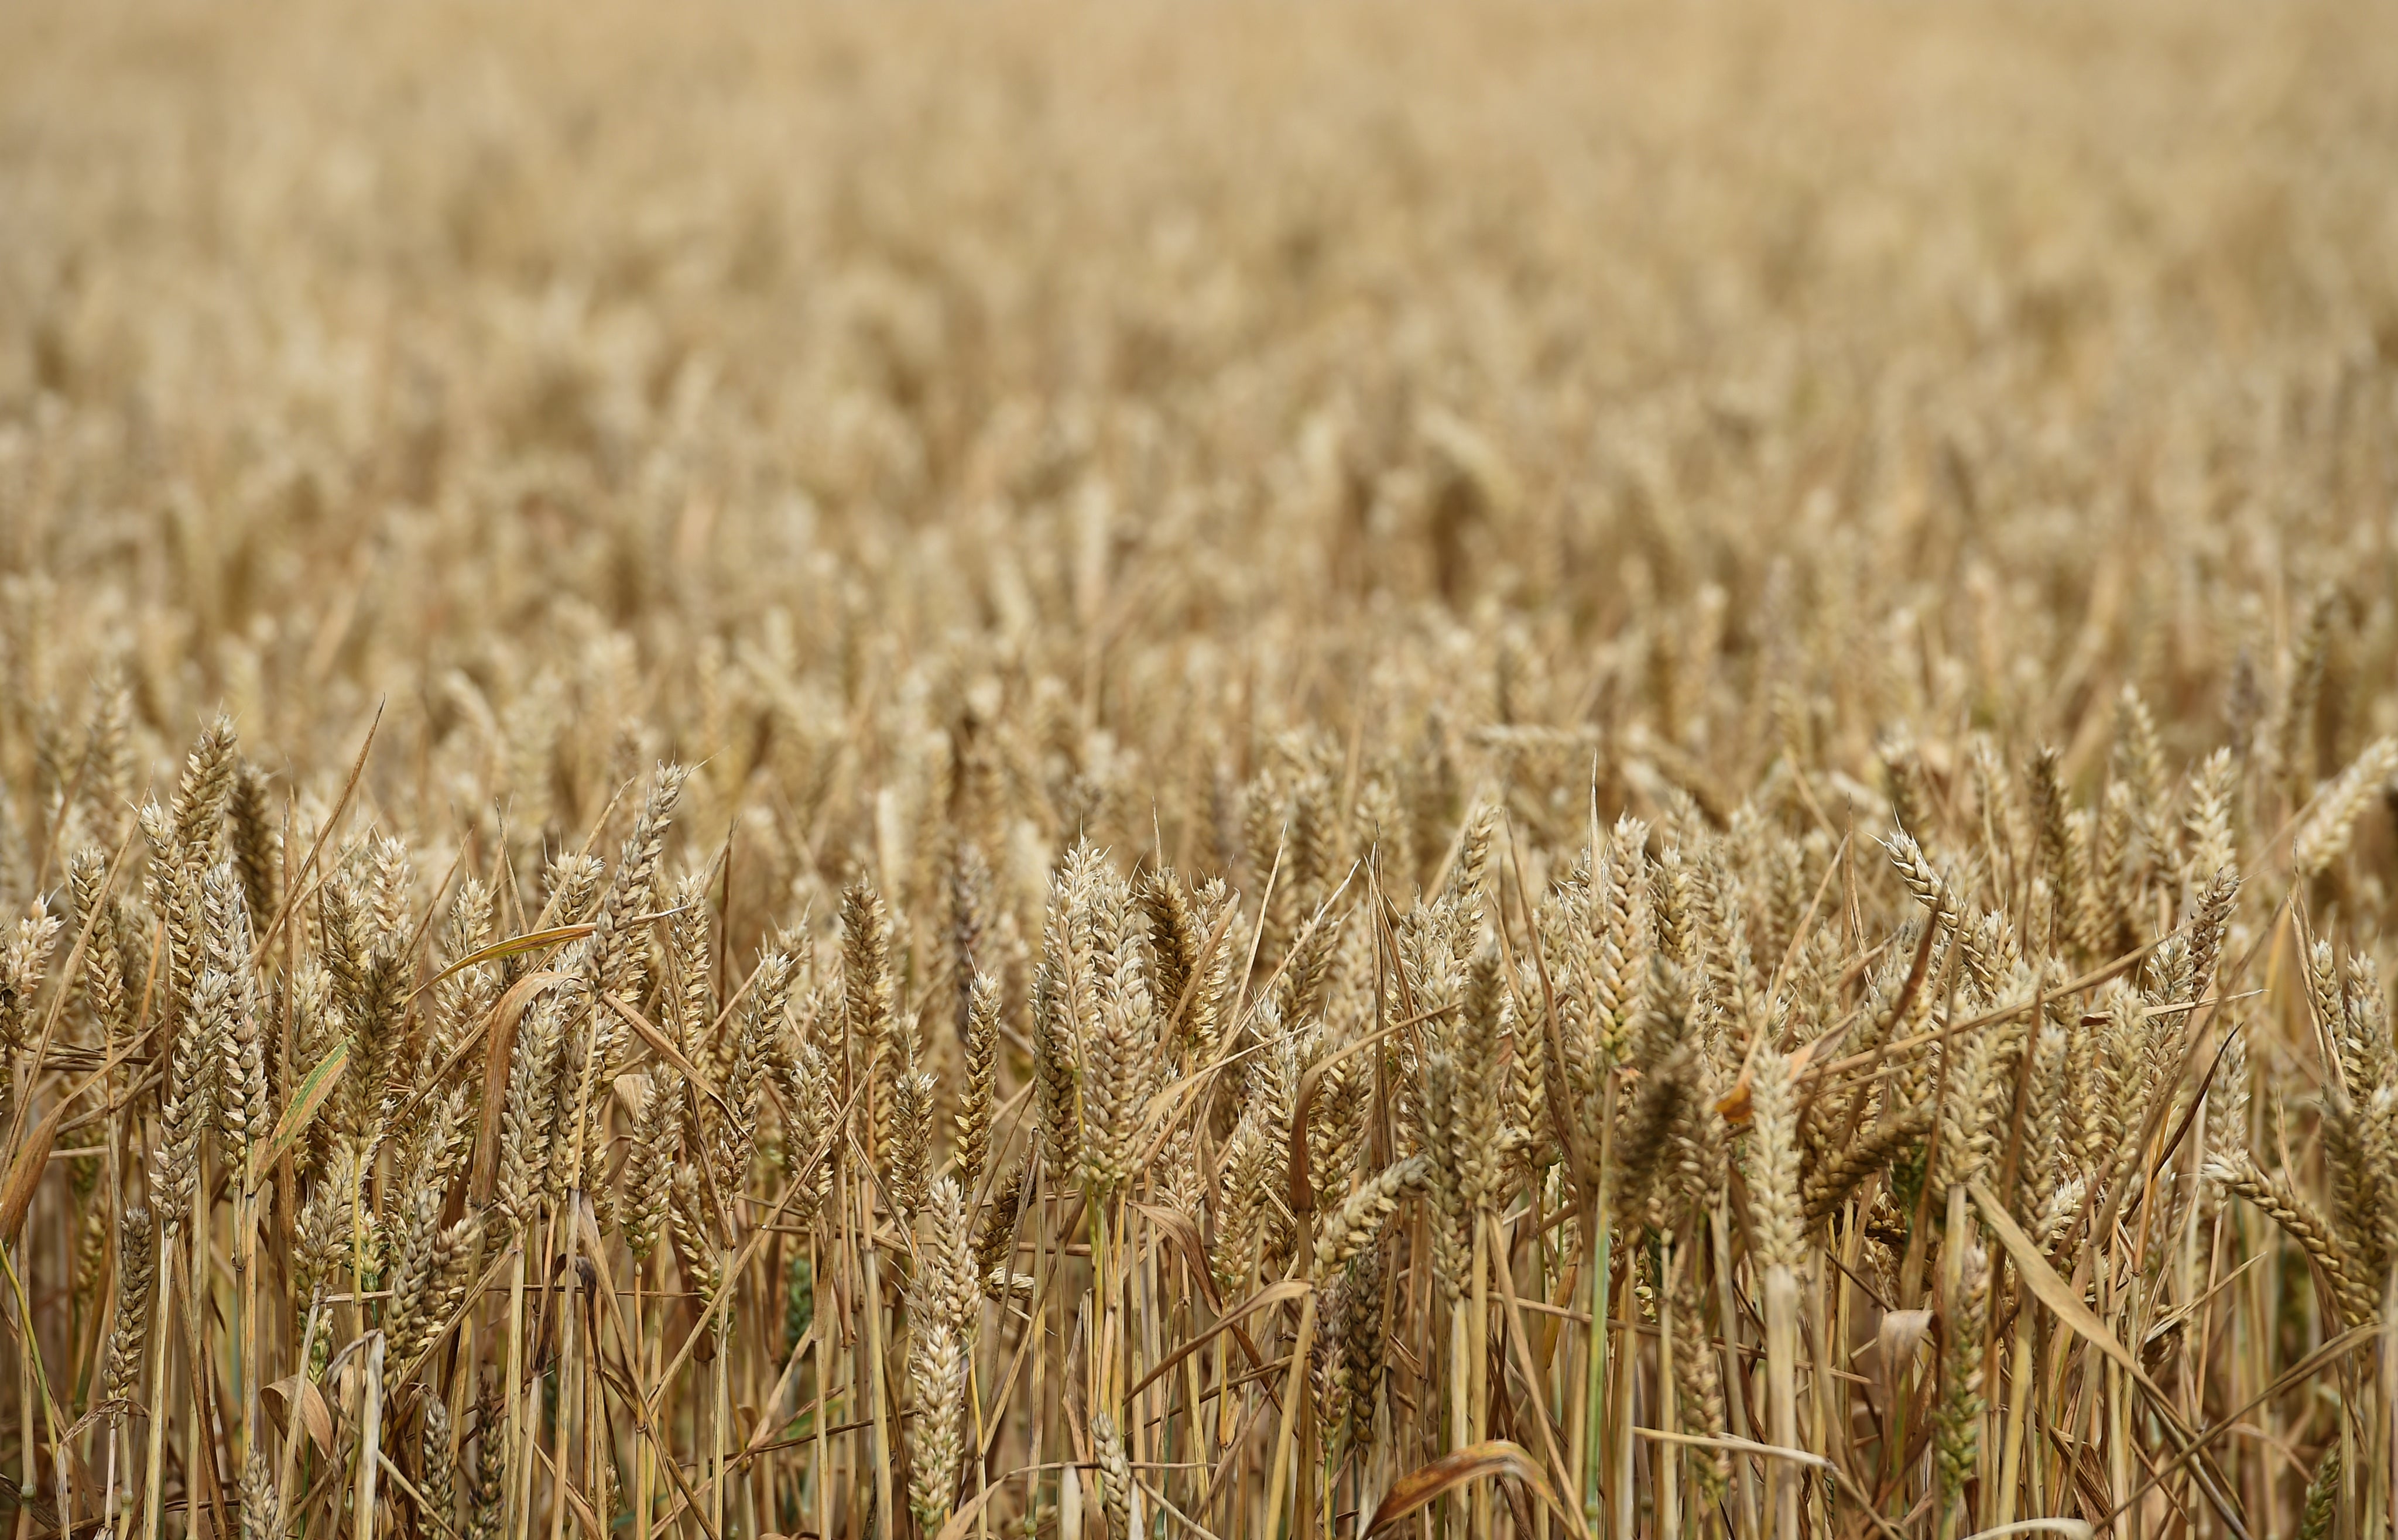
(897, 775)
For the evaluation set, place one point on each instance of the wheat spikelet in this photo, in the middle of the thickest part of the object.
(693, 1237)
(440, 1466)
(425, 1280)
(261, 1503)
(2320, 1511)
(1829, 1183)
(909, 1152)
(2349, 1159)
(366, 932)
(2305, 1226)
(2060, 851)
(868, 995)
(486, 1510)
(1057, 1017)
(196, 817)
(1625, 931)
(1337, 1121)
(1179, 960)
(1698, 1385)
(2080, 1112)
(754, 1045)
(1957, 1422)
(1364, 1319)
(613, 955)
(2041, 1158)
(1264, 805)
(2323, 837)
(2326, 996)
(808, 1113)
(136, 1272)
(973, 1123)
(1722, 995)
(2297, 749)
(586, 1039)
(689, 964)
(1974, 1111)
(173, 892)
(1306, 969)
(1240, 1203)
(1115, 1476)
(254, 838)
(1526, 1132)
(2208, 838)
(1460, 894)
(995, 1241)
(658, 1134)
(1928, 887)
(944, 1301)
(185, 1109)
(2140, 766)
(2227, 1101)
(103, 961)
(1115, 1026)
(108, 755)
(574, 883)
(2364, 1014)
(968, 892)
(229, 1021)
(2108, 900)
(1357, 1223)
(528, 1128)
(1774, 1171)
(324, 1230)
(2211, 917)
(2050, 1223)
(23, 965)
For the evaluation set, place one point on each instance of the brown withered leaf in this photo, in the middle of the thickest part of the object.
(1474, 1462)
(314, 1412)
(25, 1173)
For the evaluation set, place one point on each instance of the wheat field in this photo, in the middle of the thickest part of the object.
(1200, 772)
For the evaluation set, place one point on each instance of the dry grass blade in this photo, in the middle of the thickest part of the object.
(2065, 1304)
(1744, 1446)
(26, 1171)
(1273, 1294)
(1482, 1462)
(663, 1045)
(316, 848)
(2055, 1292)
(309, 1099)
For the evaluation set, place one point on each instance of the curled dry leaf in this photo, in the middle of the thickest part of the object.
(1485, 1461)
(316, 1415)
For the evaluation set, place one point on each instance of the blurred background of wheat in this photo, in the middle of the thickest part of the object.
(1274, 771)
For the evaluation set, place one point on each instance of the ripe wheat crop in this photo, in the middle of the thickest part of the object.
(1198, 774)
